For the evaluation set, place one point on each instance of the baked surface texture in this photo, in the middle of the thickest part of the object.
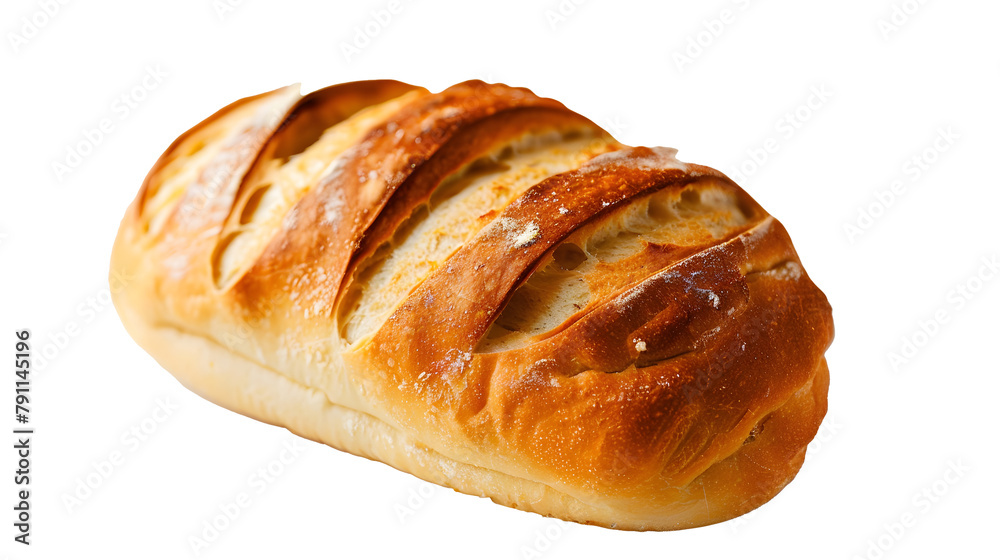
(484, 289)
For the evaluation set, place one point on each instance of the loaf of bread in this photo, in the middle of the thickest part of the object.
(484, 289)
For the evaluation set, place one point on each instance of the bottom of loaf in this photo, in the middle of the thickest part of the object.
(246, 387)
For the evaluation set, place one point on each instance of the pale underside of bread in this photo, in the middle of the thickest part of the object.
(246, 387)
(485, 290)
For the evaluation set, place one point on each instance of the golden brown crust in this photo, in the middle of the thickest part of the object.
(567, 325)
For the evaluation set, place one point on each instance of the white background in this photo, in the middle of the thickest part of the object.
(910, 441)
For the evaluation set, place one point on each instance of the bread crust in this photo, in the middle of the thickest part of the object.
(679, 389)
